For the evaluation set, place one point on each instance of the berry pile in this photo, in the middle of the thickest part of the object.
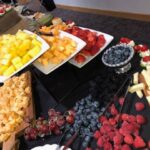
(42, 127)
(120, 131)
(86, 119)
(93, 42)
(117, 54)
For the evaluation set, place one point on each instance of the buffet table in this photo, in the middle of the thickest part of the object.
(68, 84)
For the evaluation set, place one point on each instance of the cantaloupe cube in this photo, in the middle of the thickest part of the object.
(9, 71)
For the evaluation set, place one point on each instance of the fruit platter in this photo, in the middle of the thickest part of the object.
(25, 48)
(96, 43)
(4, 8)
(62, 48)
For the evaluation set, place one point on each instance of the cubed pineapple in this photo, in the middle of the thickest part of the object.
(5, 61)
(9, 71)
(34, 51)
(36, 43)
(26, 58)
(2, 69)
(16, 60)
(18, 65)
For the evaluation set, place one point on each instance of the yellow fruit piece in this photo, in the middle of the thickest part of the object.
(36, 43)
(16, 60)
(34, 51)
(26, 58)
(9, 71)
(5, 61)
(2, 69)
(18, 65)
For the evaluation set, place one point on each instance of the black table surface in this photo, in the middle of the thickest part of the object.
(69, 83)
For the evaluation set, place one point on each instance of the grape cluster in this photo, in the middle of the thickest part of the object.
(86, 119)
(42, 127)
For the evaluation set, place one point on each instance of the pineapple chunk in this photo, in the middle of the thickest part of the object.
(26, 58)
(9, 71)
(2, 69)
(34, 51)
(16, 60)
(36, 43)
(5, 61)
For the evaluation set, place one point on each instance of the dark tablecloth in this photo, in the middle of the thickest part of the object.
(69, 83)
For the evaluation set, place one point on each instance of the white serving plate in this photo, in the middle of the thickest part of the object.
(51, 67)
(44, 48)
(50, 147)
(108, 39)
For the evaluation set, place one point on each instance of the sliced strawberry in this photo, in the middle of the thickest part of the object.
(143, 48)
(100, 41)
(85, 52)
(137, 48)
(146, 58)
(94, 50)
(80, 58)
(125, 40)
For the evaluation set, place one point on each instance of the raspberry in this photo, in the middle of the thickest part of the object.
(123, 131)
(102, 119)
(125, 117)
(118, 139)
(108, 146)
(121, 101)
(148, 144)
(128, 139)
(102, 130)
(97, 134)
(117, 147)
(107, 128)
(111, 135)
(130, 128)
(113, 110)
(88, 148)
(112, 121)
(139, 106)
(100, 142)
(125, 147)
(132, 118)
(140, 119)
(139, 142)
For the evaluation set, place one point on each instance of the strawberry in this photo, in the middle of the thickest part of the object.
(137, 48)
(118, 139)
(143, 48)
(125, 147)
(125, 117)
(94, 50)
(100, 41)
(112, 121)
(125, 40)
(128, 139)
(100, 142)
(148, 144)
(139, 142)
(121, 100)
(108, 146)
(88, 148)
(80, 58)
(139, 106)
(85, 52)
(140, 119)
(102, 119)
(146, 58)
(113, 110)
(97, 134)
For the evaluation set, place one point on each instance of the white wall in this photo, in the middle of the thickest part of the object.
(133, 6)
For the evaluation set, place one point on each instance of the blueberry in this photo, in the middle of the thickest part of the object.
(87, 138)
(68, 136)
(96, 104)
(85, 144)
